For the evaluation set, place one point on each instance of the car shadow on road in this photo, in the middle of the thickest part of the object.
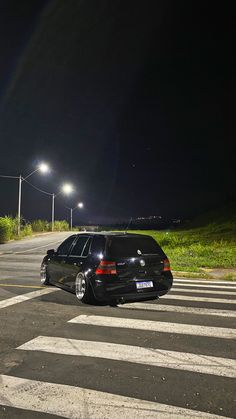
(65, 297)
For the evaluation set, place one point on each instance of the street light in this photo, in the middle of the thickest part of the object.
(79, 205)
(66, 189)
(43, 168)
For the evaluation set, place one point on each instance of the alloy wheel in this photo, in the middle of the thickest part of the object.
(43, 273)
(80, 287)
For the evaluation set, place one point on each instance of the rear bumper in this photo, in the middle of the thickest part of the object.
(112, 290)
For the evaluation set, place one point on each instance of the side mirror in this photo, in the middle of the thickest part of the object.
(50, 252)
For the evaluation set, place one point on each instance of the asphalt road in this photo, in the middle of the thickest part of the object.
(173, 358)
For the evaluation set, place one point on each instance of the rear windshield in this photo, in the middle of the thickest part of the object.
(132, 246)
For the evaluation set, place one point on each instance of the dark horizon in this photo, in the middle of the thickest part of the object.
(132, 105)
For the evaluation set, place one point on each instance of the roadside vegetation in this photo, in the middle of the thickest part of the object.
(208, 242)
(192, 250)
(8, 228)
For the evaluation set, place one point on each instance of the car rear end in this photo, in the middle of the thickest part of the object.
(132, 268)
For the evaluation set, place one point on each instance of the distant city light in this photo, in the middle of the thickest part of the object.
(80, 205)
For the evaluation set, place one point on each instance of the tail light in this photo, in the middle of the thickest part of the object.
(166, 265)
(106, 268)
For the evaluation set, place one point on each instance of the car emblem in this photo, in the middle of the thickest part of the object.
(142, 262)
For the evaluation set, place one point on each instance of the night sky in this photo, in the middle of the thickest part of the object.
(133, 102)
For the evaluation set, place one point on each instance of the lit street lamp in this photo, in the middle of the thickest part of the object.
(79, 205)
(66, 189)
(43, 168)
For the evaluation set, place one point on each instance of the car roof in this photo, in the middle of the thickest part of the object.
(111, 233)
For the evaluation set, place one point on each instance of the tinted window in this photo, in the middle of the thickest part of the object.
(98, 245)
(132, 246)
(79, 246)
(64, 248)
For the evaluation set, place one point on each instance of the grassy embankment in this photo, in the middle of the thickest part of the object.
(8, 228)
(201, 245)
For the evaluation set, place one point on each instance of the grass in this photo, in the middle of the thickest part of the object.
(193, 249)
(8, 228)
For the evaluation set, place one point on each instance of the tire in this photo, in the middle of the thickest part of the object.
(83, 290)
(44, 277)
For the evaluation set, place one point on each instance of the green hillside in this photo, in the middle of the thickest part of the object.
(207, 242)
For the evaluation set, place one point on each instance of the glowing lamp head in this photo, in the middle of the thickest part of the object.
(80, 205)
(67, 189)
(44, 168)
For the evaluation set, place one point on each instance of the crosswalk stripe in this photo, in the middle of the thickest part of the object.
(76, 402)
(136, 354)
(196, 291)
(25, 297)
(179, 309)
(199, 299)
(188, 285)
(155, 326)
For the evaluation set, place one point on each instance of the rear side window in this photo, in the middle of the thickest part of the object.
(64, 248)
(79, 246)
(132, 246)
(98, 245)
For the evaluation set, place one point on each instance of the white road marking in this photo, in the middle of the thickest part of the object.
(155, 326)
(76, 402)
(199, 299)
(136, 354)
(179, 309)
(36, 248)
(196, 291)
(181, 284)
(25, 297)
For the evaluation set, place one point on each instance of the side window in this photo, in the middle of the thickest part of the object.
(79, 246)
(86, 248)
(98, 245)
(64, 248)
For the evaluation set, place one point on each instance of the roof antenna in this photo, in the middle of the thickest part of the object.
(129, 223)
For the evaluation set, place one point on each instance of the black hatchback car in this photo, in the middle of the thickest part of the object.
(109, 267)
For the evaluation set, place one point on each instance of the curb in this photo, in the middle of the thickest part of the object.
(205, 276)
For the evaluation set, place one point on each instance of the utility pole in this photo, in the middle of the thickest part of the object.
(71, 224)
(53, 210)
(19, 206)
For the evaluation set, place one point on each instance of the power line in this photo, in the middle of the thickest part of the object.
(37, 189)
(10, 177)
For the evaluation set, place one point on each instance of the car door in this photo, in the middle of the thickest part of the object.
(76, 260)
(57, 261)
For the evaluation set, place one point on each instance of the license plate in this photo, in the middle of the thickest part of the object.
(144, 284)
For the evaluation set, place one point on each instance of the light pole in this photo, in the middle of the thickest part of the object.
(43, 168)
(19, 205)
(53, 210)
(79, 205)
(66, 189)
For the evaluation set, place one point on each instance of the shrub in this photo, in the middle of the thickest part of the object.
(61, 225)
(26, 230)
(40, 225)
(5, 229)
(14, 226)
